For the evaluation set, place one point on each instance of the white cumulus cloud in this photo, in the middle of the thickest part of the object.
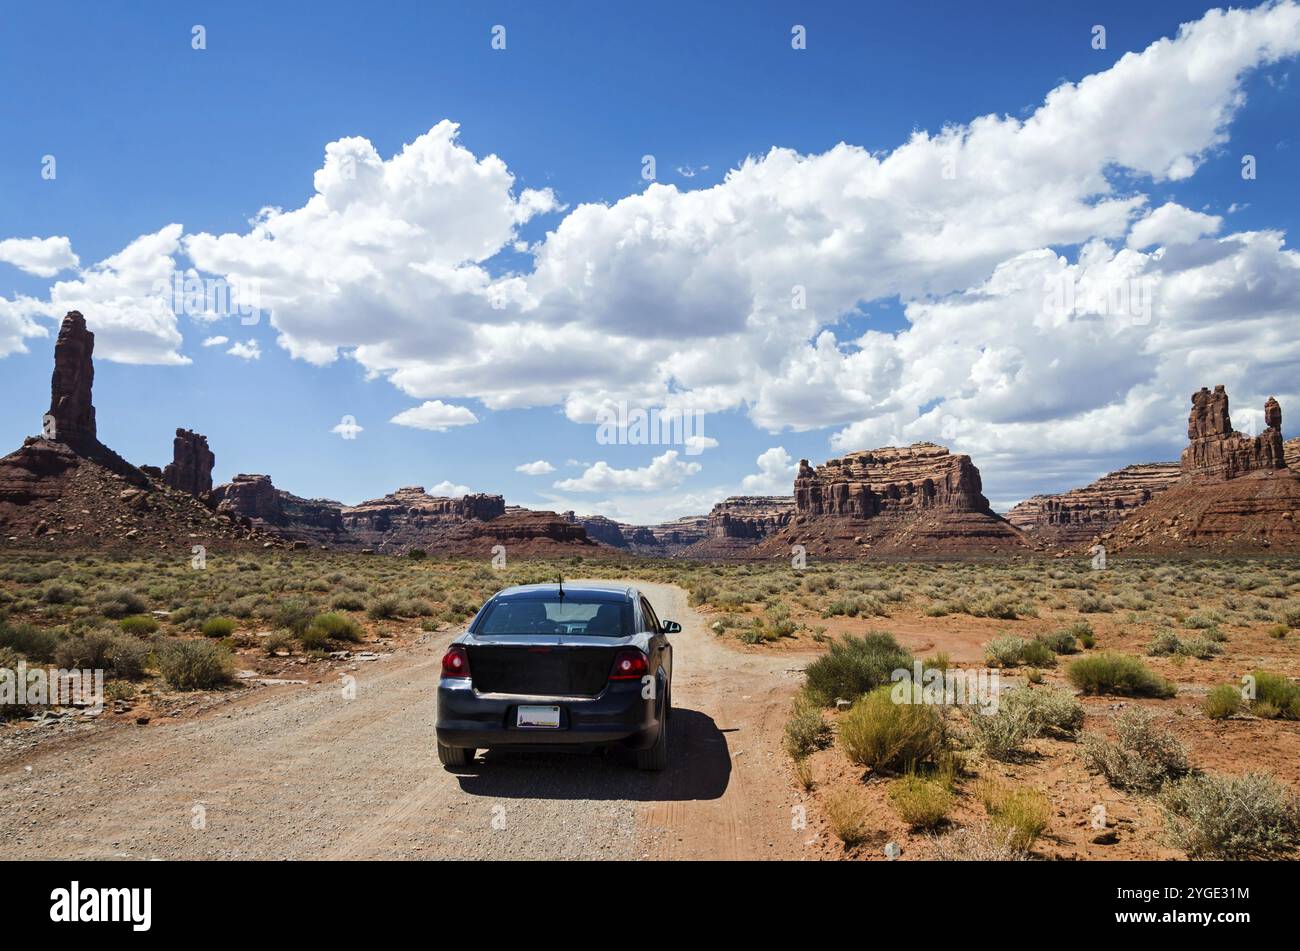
(664, 472)
(44, 257)
(540, 467)
(436, 416)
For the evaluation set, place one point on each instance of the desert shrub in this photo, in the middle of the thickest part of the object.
(1278, 631)
(1001, 735)
(32, 642)
(1050, 711)
(806, 730)
(292, 615)
(60, 594)
(854, 665)
(1033, 675)
(1063, 641)
(337, 627)
(703, 593)
(1142, 757)
(980, 844)
(111, 651)
(277, 641)
(1165, 642)
(849, 814)
(196, 664)
(314, 639)
(348, 602)
(1220, 817)
(1094, 604)
(121, 603)
(1202, 648)
(1011, 651)
(921, 803)
(1037, 653)
(1291, 617)
(218, 627)
(1004, 651)
(1276, 696)
(415, 607)
(1021, 814)
(384, 609)
(417, 554)
(888, 736)
(1222, 702)
(803, 774)
(1113, 673)
(996, 607)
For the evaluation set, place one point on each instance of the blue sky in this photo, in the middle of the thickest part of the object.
(147, 131)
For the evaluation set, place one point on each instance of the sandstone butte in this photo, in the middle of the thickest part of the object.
(919, 500)
(1073, 519)
(1235, 493)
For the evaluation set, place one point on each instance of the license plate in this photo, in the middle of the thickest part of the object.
(538, 718)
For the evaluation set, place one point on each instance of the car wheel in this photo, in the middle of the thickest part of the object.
(454, 755)
(656, 758)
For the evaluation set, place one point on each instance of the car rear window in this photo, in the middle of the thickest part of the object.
(558, 616)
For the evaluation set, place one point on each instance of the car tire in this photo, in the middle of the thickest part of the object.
(656, 758)
(454, 755)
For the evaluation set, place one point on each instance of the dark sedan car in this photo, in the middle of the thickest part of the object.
(559, 666)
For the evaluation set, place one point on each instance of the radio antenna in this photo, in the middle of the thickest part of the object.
(561, 580)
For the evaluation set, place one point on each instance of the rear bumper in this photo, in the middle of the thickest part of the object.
(618, 716)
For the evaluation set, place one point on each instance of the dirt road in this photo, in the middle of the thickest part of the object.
(303, 773)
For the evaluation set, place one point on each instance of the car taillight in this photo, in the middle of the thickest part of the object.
(629, 664)
(455, 663)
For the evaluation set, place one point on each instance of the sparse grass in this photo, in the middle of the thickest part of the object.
(338, 627)
(1120, 674)
(218, 627)
(196, 664)
(921, 803)
(848, 812)
(1222, 702)
(891, 737)
(1020, 813)
(983, 843)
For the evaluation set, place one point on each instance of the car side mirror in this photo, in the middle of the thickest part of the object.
(670, 627)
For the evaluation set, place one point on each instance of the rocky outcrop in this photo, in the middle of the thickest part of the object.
(67, 489)
(1071, 519)
(72, 412)
(470, 525)
(1218, 453)
(1235, 493)
(896, 501)
(600, 529)
(411, 510)
(258, 503)
(750, 517)
(1291, 453)
(891, 480)
(191, 467)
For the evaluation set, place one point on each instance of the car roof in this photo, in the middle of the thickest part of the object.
(587, 590)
